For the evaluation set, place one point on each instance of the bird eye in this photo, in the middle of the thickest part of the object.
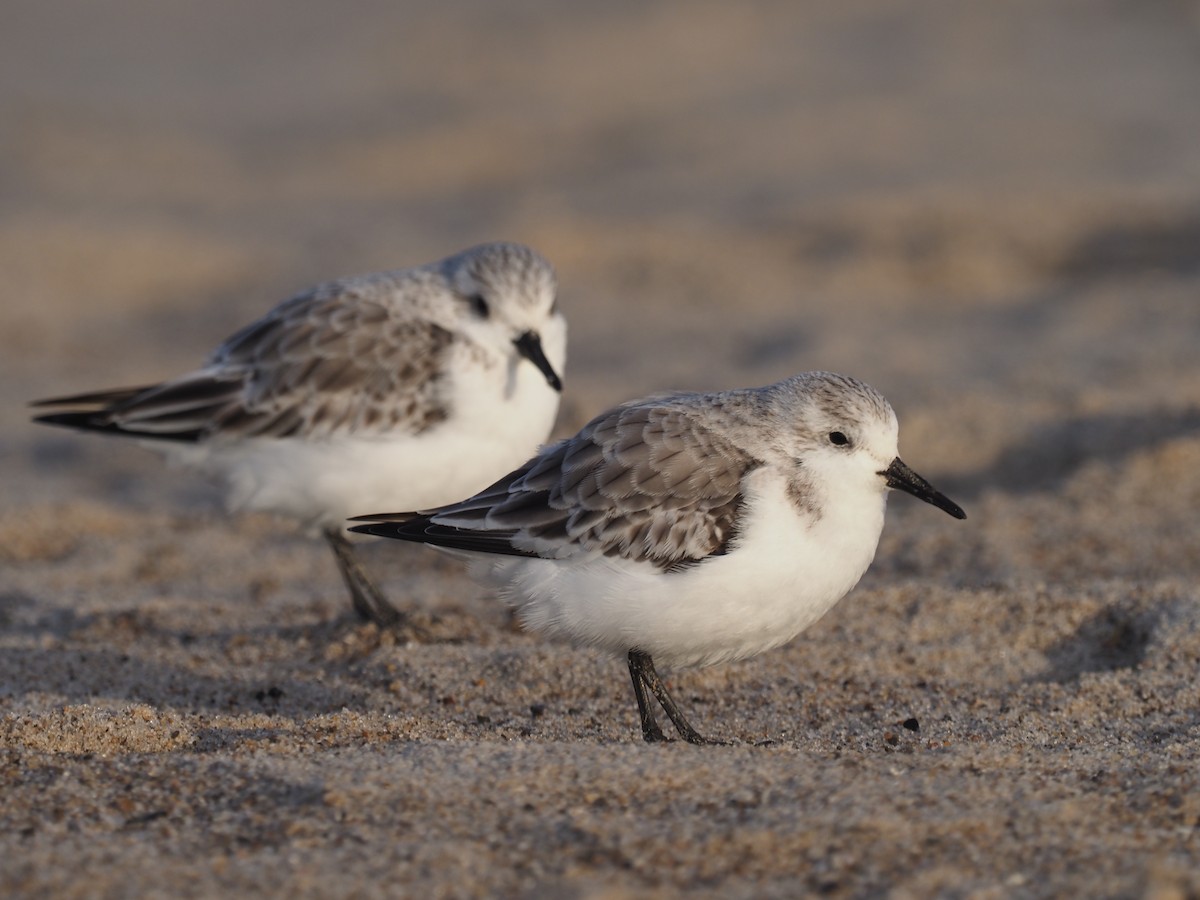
(838, 439)
(479, 306)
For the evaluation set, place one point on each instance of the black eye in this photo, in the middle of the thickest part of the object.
(838, 439)
(479, 306)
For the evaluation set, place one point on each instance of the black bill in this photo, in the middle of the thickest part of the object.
(902, 478)
(529, 345)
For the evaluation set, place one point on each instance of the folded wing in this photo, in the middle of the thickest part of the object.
(334, 360)
(642, 482)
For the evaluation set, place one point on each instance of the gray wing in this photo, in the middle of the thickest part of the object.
(333, 360)
(644, 481)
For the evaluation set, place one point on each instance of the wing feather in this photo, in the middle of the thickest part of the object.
(344, 356)
(645, 481)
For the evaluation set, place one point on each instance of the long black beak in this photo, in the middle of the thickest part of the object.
(529, 345)
(903, 478)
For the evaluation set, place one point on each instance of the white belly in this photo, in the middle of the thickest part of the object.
(784, 572)
(497, 422)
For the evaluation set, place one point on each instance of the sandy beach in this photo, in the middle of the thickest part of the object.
(990, 212)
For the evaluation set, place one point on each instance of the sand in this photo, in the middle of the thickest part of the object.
(991, 212)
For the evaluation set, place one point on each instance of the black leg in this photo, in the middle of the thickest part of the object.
(368, 601)
(651, 733)
(641, 667)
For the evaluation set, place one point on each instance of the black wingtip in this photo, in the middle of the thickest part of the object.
(402, 526)
(385, 517)
(380, 529)
(97, 423)
(422, 529)
(92, 401)
(81, 421)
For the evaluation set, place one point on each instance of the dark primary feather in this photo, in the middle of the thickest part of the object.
(644, 481)
(97, 399)
(170, 411)
(423, 530)
(84, 421)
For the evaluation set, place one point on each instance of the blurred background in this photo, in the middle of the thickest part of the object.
(988, 210)
(991, 211)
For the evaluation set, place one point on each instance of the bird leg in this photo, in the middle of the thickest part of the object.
(368, 601)
(641, 669)
(651, 733)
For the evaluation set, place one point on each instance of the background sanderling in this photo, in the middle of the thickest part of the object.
(409, 388)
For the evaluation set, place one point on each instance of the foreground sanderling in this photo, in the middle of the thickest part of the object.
(409, 389)
(691, 529)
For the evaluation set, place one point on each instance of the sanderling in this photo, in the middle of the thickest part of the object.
(410, 389)
(691, 529)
